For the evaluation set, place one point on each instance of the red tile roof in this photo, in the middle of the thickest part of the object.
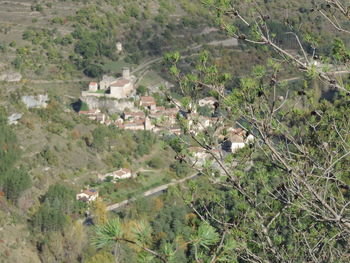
(147, 99)
(134, 114)
(88, 112)
(120, 82)
(133, 123)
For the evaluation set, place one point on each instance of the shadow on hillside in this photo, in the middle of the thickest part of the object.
(77, 105)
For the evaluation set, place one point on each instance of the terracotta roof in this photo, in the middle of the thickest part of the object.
(133, 123)
(159, 109)
(93, 83)
(120, 82)
(239, 131)
(236, 139)
(89, 112)
(147, 99)
(156, 114)
(148, 103)
(171, 111)
(140, 114)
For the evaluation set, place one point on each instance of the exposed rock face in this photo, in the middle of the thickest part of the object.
(13, 119)
(231, 42)
(107, 104)
(39, 101)
(11, 77)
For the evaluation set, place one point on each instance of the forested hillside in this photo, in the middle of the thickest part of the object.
(244, 147)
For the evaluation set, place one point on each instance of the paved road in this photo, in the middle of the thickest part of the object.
(153, 191)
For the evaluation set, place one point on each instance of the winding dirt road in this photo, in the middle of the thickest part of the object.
(151, 192)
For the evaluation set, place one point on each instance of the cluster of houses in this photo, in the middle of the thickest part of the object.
(111, 87)
(151, 117)
(147, 115)
(235, 139)
(88, 195)
(96, 115)
(91, 195)
(157, 118)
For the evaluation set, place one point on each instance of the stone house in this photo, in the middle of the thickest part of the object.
(135, 125)
(164, 115)
(87, 195)
(106, 82)
(158, 109)
(118, 88)
(121, 88)
(157, 115)
(101, 118)
(148, 102)
(133, 115)
(95, 115)
(175, 130)
(171, 111)
(122, 173)
(233, 143)
(208, 101)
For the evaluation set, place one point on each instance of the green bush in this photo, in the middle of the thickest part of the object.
(16, 182)
(13, 180)
(57, 206)
(156, 162)
(93, 71)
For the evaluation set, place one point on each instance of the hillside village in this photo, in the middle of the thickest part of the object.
(141, 113)
(127, 110)
(145, 114)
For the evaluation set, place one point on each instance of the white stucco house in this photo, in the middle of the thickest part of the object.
(119, 46)
(87, 195)
(122, 173)
(93, 86)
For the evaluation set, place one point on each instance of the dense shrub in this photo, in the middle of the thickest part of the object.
(13, 180)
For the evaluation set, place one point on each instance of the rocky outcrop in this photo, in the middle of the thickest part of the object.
(39, 101)
(10, 76)
(108, 104)
(14, 118)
